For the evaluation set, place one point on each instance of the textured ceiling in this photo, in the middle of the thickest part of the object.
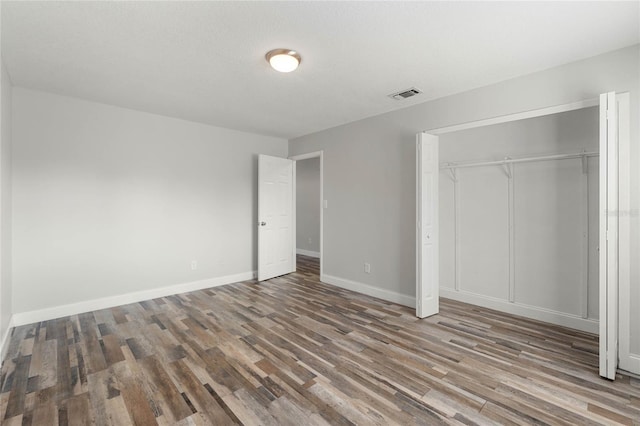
(204, 61)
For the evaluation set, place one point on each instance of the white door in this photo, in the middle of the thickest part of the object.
(629, 328)
(608, 235)
(427, 244)
(276, 226)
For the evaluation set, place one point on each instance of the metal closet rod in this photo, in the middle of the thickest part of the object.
(446, 166)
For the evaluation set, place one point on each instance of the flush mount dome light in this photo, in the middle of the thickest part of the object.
(283, 60)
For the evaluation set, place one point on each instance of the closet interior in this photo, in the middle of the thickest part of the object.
(519, 217)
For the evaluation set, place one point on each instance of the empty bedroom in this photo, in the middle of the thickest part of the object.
(319, 213)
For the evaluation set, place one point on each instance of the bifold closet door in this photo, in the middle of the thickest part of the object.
(427, 226)
(609, 235)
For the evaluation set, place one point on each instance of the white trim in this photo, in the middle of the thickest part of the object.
(306, 156)
(4, 346)
(309, 253)
(322, 206)
(528, 311)
(516, 116)
(369, 290)
(631, 365)
(46, 314)
(294, 217)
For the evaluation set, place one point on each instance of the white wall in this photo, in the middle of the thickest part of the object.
(109, 201)
(308, 205)
(6, 309)
(550, 204)
(369, 168)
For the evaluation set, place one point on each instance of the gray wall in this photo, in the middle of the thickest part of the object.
(308, 205)
(109, 201)
(549, 213)
(5, 204)
(369, 167)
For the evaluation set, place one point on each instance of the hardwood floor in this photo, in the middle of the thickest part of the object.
(293, 351)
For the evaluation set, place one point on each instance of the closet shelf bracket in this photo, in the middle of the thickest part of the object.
(585, 163)
(507, 166)
(453, 172)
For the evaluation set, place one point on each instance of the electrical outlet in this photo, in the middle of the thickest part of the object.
(367, 268)
(194, 265)
(309, 240)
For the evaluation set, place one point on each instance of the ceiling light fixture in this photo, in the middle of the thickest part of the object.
(283, 60)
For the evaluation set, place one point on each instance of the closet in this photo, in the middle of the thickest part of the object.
(518, 217)
(532, 214)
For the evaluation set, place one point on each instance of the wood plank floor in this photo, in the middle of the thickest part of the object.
(293, 351)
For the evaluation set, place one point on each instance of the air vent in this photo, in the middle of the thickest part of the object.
(405, 94)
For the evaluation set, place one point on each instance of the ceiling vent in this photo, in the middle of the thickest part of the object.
(405, 94)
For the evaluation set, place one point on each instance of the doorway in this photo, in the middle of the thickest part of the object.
(277, 222)
(309, 212)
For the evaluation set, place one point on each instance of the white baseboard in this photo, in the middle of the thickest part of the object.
(308, 253)
(528, 311)
(390, 296)
(46, 314)
(4, 345)
(630, 363)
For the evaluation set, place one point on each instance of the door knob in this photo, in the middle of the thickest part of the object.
(263, 223)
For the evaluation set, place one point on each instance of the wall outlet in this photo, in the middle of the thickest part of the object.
(367, 268)
(194, 265)
(309, 240)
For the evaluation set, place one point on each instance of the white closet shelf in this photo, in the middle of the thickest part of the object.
(508, 160)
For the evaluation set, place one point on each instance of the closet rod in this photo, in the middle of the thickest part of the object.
(446, 166)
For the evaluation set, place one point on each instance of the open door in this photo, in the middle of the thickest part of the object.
(427, 244)
(276, 218)
(608, 235)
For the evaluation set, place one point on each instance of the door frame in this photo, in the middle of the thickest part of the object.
(306, 156)
(624, 179)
